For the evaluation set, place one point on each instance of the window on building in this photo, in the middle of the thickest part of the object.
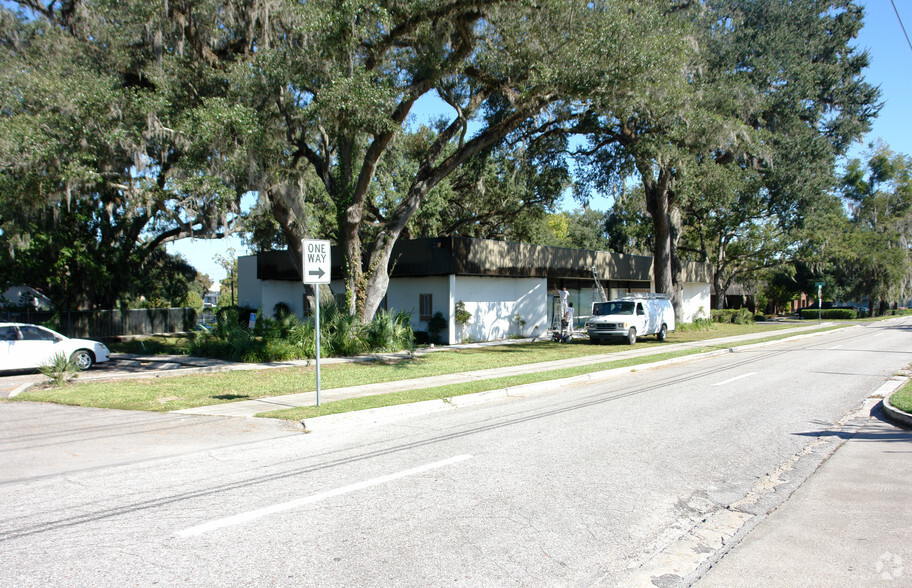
(425, 307)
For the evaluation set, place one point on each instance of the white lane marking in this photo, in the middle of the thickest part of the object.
(747, 375)
(834, 347)
(275, 508)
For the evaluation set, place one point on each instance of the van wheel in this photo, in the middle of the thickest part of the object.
(632, 336)
(663, 333)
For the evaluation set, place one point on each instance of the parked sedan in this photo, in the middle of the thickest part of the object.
(25, 347)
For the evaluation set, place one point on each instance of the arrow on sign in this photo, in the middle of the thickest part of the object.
(319, 273)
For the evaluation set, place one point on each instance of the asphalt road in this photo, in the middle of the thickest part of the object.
(582, 485)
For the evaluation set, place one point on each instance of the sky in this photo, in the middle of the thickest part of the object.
(890, 69)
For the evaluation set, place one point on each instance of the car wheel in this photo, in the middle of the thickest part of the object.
(83, 359)
(663, 333)
(632, 336)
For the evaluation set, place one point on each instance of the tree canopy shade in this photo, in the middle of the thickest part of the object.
(333, 85)
(112, 142)
(876, 259)
(178, 107)
(774, 91)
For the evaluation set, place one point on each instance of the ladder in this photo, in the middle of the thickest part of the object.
(555, 314)
(598, 293)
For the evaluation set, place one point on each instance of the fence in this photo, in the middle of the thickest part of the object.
(102, 324)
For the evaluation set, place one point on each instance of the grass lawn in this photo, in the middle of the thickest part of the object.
(450, 391)
(179, 392)
(902, 398)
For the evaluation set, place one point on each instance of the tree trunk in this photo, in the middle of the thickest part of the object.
(667, 269)
(720, 290)
(353, 266)
(677, 268)
(658, 204)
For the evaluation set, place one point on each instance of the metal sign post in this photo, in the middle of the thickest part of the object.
(316, 268)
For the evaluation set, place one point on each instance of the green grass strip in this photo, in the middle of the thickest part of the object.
(902, 398)
(453, 390)
(190, 391)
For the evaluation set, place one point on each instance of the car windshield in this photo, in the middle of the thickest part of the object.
(613, 307)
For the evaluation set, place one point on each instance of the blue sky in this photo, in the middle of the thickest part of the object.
(891, 69)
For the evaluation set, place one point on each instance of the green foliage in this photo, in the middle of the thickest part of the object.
(193, 300)
(874, 260)
(460, 314)
(437, 324)
(59, 369)
(391, 332)
(287, 337)
(341, 333)
(97, 145)
(738, 316)
(698, 324)
(780, 287)
(902, 398)
(828, 313)
(747, 140)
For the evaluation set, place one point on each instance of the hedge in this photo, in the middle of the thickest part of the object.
(829, 313)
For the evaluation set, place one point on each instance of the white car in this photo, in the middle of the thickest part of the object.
(24, 347)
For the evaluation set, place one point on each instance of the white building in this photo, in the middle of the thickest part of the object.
(510, 289)
(212, 295)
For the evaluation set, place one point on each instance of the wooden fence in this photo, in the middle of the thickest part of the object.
(106, 324)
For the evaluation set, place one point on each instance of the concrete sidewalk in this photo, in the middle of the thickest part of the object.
(249, 408)
(849, 524)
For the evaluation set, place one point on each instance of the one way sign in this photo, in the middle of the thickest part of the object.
(316, 261)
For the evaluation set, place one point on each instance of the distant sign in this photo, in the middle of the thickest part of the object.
(820, 284)
(317, 263)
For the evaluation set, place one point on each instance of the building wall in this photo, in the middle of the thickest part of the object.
(494, 302)
(249, 288)
(403, 295)
(696, 301)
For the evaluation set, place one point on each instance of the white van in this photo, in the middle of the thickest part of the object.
(631, 317)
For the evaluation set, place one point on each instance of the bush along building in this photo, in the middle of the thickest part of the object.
(503, 289)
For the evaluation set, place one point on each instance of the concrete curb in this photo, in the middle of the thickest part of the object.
(20, 389)
(894, 415)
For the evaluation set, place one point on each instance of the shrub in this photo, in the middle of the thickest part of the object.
(435, 325)
(193, 300)
(738, 316)
(828, 313)
(390, 332)
(698, 324)
(460, 314)
(288, 337)
(59, 369)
